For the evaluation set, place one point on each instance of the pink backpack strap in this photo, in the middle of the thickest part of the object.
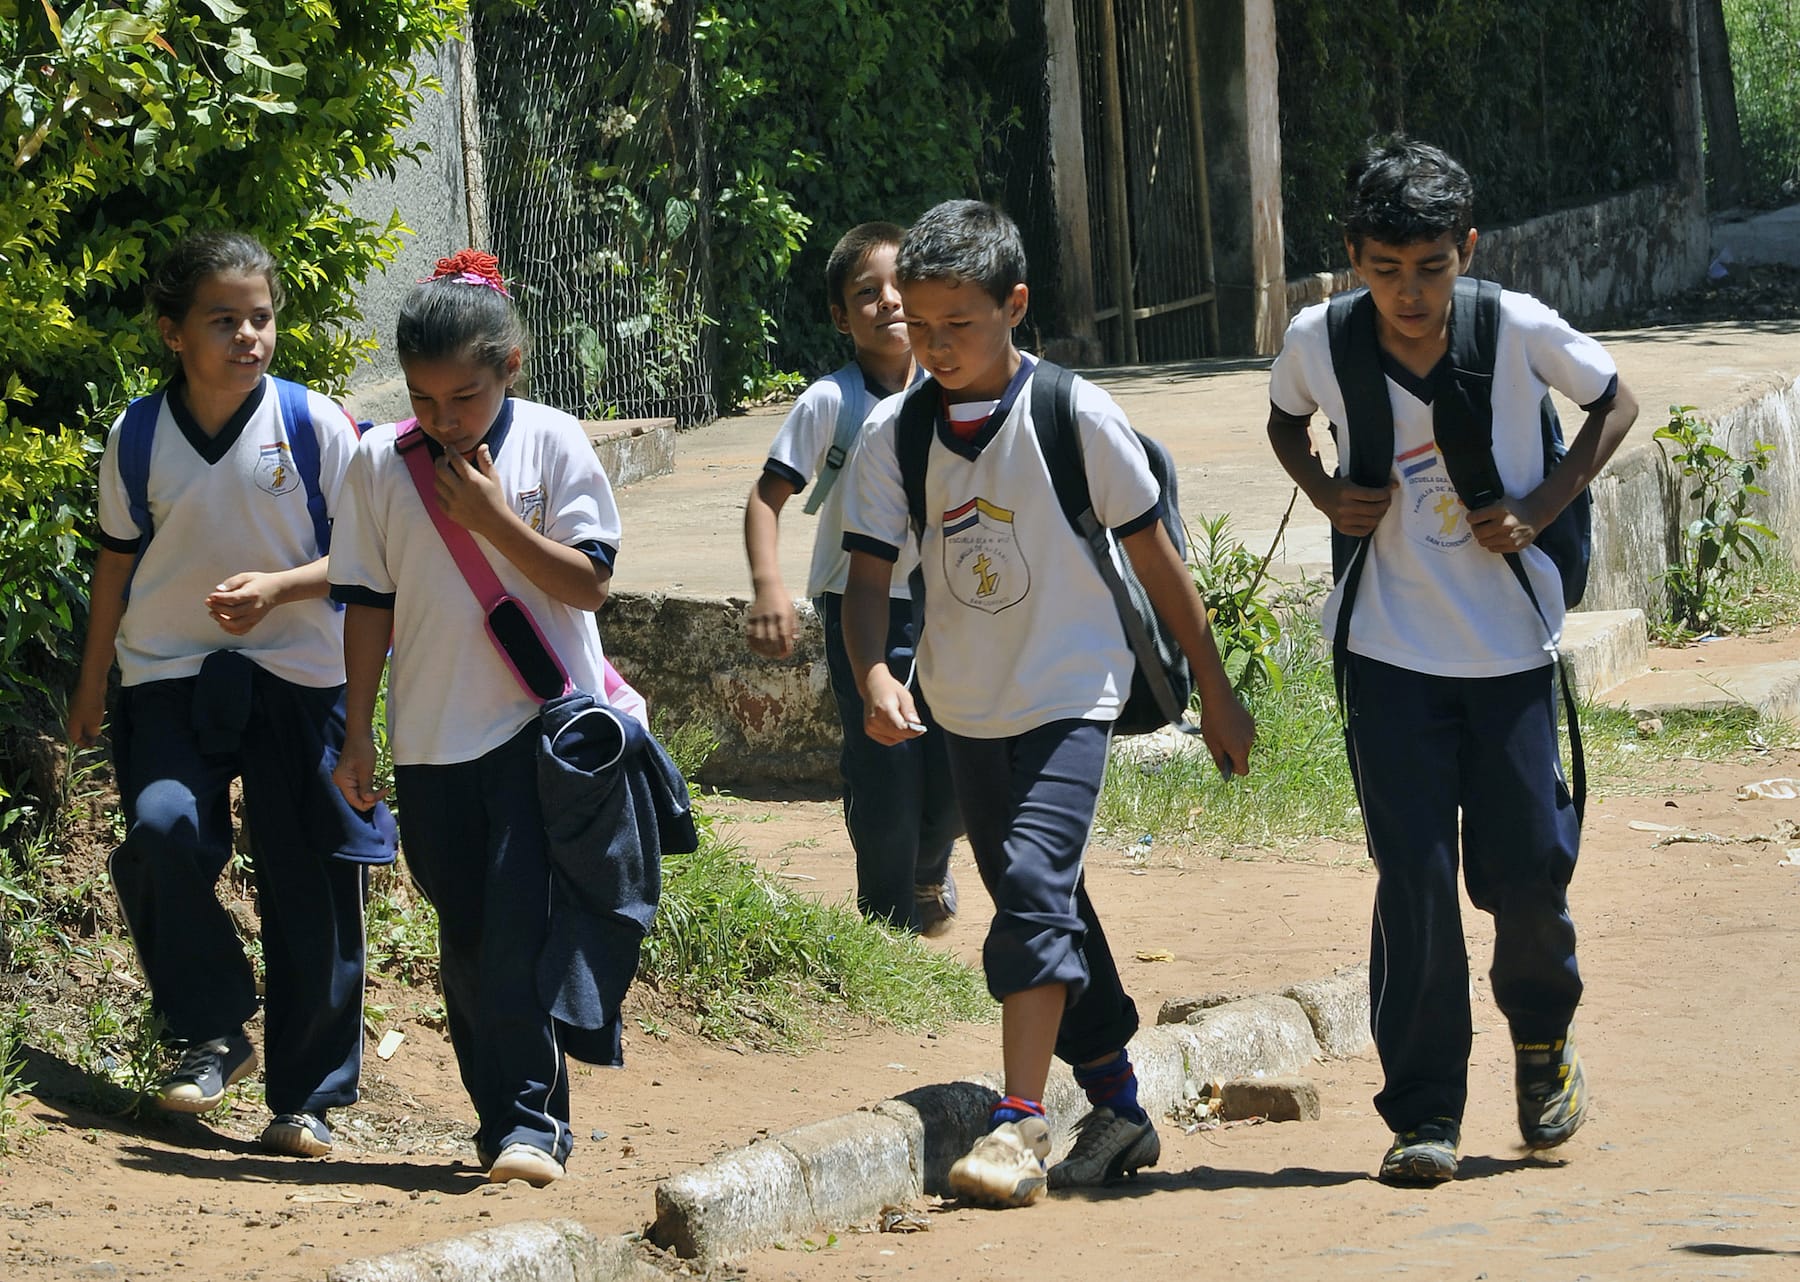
(409, 440)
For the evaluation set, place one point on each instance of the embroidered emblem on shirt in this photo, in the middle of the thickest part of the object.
(275, 469)
(530, 505)
(983, 562)
(1434, 513)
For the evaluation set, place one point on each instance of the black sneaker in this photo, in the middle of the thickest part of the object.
(207, 1069)
(297, 1135)
(1107, 1147)
(1551, 1089)
(934, 907)
(1423, 1156)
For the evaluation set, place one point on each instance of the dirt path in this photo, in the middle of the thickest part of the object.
(1687, 1169)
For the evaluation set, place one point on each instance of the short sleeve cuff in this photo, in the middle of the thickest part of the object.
(126, 547)
(874, 547)
(1287, 418)
(781, 471)
(601, 554)
(351, 594)
(1143, 522)
(1605, 398)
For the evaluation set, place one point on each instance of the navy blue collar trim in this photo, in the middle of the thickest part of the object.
(212, 448)
(971, 448)
(494, 439)
(1420, 389)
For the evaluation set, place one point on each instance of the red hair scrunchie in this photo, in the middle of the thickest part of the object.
(471, 267)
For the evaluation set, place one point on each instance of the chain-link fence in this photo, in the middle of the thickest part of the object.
(593, 148)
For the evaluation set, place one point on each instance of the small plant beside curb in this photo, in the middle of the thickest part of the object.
(1723, 537)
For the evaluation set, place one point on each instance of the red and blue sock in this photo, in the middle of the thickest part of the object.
(1113, 1085)
(1013, 1108)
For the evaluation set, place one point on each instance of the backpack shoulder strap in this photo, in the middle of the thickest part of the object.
(136, 434)
(849, 382)
(912, 446)
(1059, 440)
(1356, 363)
(303, 440)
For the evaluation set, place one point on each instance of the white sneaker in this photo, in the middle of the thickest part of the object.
(1106, 1147)
(1006, 1166)
(523, 1162)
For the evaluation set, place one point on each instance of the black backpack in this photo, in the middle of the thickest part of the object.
(1463, 427)
(1162, 684)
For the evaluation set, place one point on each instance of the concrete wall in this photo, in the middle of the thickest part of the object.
(775, 722)
(1593, 263)
(431, 197)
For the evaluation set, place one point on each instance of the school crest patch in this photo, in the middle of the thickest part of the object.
(1434, 514)
(983, 562)
(275, 470)
(530, 506)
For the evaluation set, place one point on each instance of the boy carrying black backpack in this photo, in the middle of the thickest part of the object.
(1446, 661)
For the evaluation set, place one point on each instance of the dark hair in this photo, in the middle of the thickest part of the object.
(964, 240)
(198, 255)
(1402, 191)
(462, 313)
(848, 254)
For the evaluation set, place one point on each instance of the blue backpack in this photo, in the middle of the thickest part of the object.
(139, 430)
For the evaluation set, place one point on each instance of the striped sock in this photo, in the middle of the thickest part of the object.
(1113, 1085)
(1013, 1108)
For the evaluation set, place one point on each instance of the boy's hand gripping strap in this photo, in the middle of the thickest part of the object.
(498, 607)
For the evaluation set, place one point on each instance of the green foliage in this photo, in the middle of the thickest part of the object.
(1298, 789)
(122, 126)
(12, 1074)
(1231, 581)
(1546, 103)
(749, 960)
(1765, 51)
(1723, 537)
(824, 115)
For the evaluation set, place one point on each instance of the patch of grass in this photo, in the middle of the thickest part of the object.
(12, 1075)
(1624, 760)
(1298, 789)
(401, 928)
(751, 961)
(1764, 597)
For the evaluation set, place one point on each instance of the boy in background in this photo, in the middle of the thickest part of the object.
(1448, 691)
(898, 804)
(1026, 663)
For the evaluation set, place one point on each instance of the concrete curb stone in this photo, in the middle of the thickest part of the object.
(532, 1251)
(1338, 1009)
(847, 1169)
(841, 1170)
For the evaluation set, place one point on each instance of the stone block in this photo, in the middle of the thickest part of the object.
(1603, 648)
(749, 1198)
(1267, 1034)
(854, 1165)
(533, 1251)
(633, 449)
(1338, 1009)
(1278, 1099)
(1179, 1010)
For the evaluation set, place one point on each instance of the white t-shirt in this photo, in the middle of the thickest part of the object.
(798, 453)
(1431, 598)
(1020, 630)
(450, 696)
(220, 506)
